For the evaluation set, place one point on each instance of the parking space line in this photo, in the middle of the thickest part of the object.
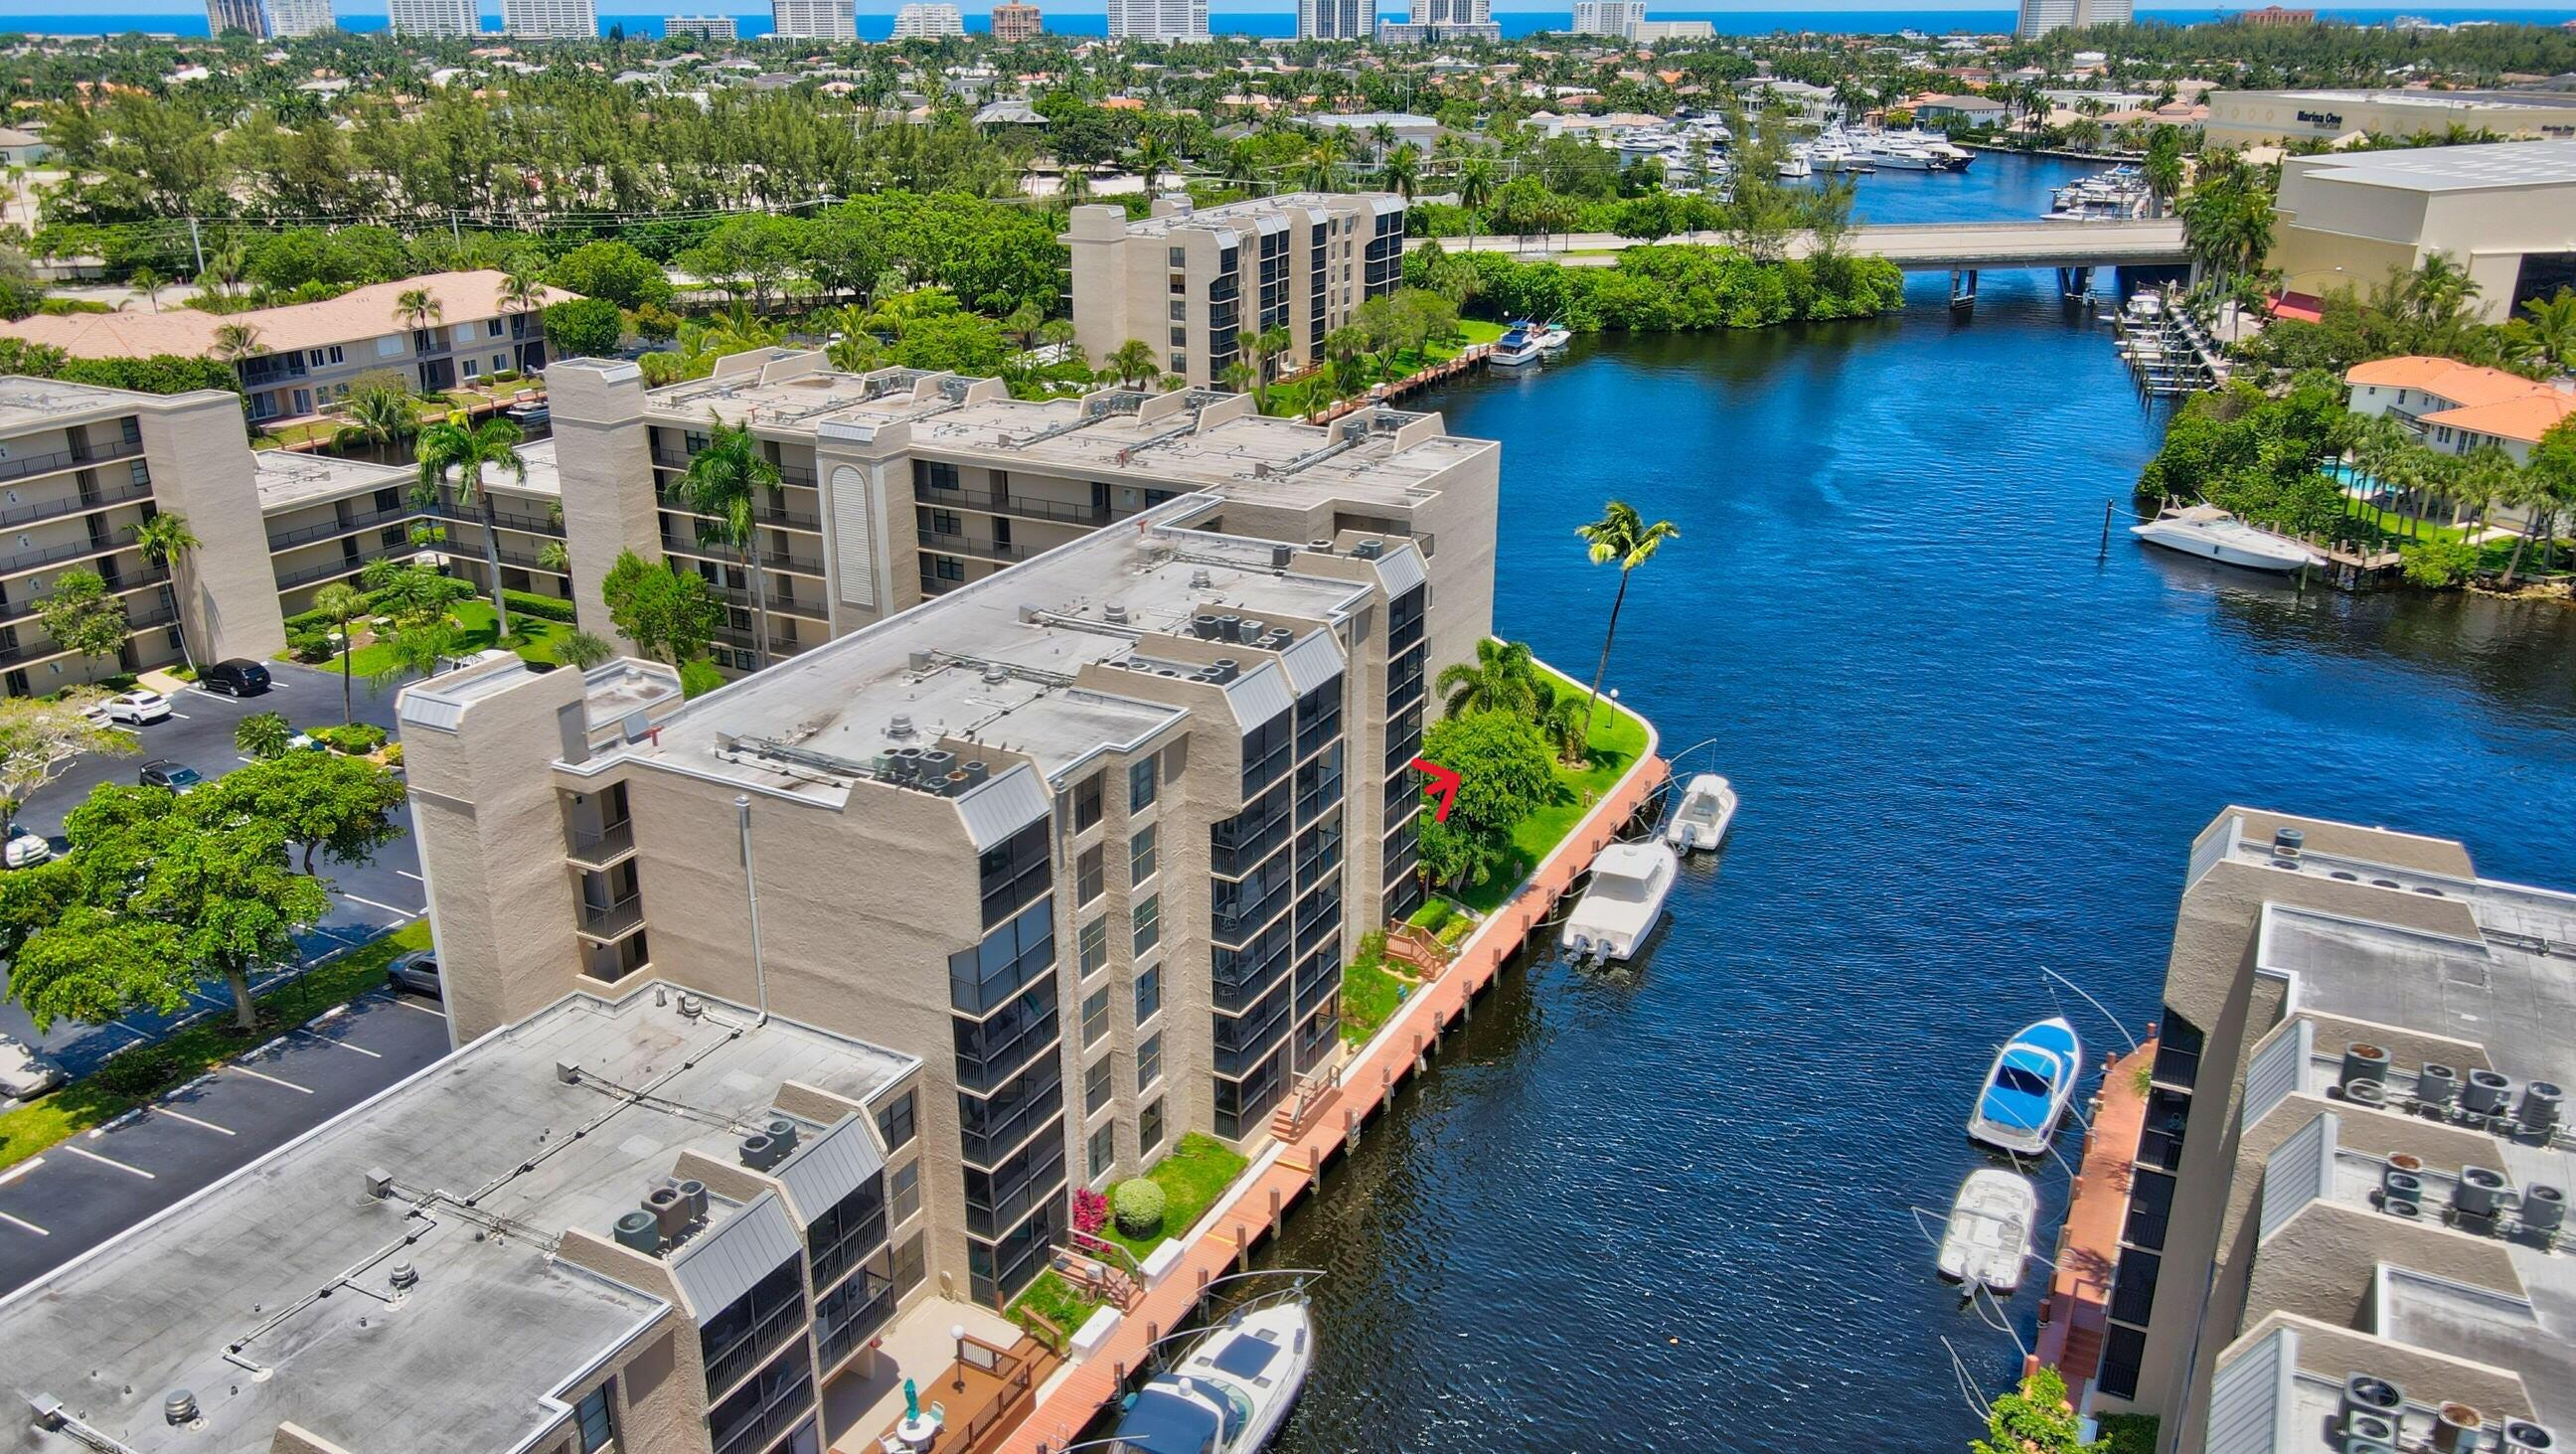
(112, 1161)
(272, 1080)
(23, 1222)
(410, 1004)
(327, 1040)
(193, 1121)
(388, 908)
(407, 873)
(21, 1169)
(128, 1029)
(207, 1000)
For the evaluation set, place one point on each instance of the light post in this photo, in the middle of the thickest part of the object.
(957, 1335)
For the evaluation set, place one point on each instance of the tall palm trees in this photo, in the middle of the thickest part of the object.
(1154, 157)
(1476, 183)
(378, 419)
(417, 308)
(523, 291)
(1620, 537)
(1402, 168)
(469, 450)
(2553, 327)
(166, 541)
(1500, 679)
(343, 603)
(1133, 362)
(727, 485)
(2227, 218)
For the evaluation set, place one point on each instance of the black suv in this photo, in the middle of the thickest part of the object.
(238, 677)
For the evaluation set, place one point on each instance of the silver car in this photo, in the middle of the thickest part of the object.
(25, 1074)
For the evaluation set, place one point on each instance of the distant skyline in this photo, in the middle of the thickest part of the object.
(144, 11)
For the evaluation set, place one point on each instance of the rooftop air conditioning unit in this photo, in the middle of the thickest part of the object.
(2369, 1394)
(2544, 1209)
(2486, 1093)
(2437, 1085)
(2397, 1187)
(638, 1231)
(2478, 1192)
(2365, 1430)
(2522, 1436)
(2363, 1061)
(670, 1212)
(2541, 1106)
(2368, 1093)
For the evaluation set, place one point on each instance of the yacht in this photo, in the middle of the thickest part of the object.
(1554, 338)
(1895, 154)
(2026, 1091)
(1626, 897)
(1946, 156)
(1707, 811)
(1795, 167)
(2213, 534)
(1518, 348)
(1231, 1392)
(1988, 1239)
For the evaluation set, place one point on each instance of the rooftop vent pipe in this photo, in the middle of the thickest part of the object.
(900, 725)
(995, 674)
(1114, 613)
(1200, 580)
(404, 1277)
(180, 1407)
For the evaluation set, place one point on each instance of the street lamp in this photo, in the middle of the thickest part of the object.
(957, 1335)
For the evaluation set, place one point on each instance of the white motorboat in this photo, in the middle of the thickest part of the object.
(2026, 1091)
(1517, 348)
(1554, 338)
(1988, 1240)
(1895, 154)
(1231, 1392)
(1618, 911)
(1707, 810)
(1793, 168)
(2213, 534)
(1946, 156)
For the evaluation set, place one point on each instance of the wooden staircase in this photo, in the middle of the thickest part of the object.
(1417, 950)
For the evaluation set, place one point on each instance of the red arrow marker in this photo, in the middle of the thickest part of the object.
(1444, 782)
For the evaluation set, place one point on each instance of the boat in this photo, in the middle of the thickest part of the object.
(2026, 1092)
(1988, 1240)
(1517, 348)
(1946, 156)
(1554, 338)
(1795, 167)
(2213, 534)
(1618, 910)
(1707, 810)
(1230, 1393)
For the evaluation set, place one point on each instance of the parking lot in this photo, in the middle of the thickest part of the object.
(365, 901)
(85, 1190)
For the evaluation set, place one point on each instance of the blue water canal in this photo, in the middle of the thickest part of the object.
(1669, 1209)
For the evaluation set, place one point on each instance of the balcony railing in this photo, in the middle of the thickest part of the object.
(63, 459)
(27, 560)
(774, 560)
(345, 564)
(96, 500)
(326, 529)
(613, 921)
(1022, 505)
(21, 610)
(968, 545)
(599, 848)
(778, 515)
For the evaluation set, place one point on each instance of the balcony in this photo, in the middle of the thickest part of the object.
(776, 515)
(27, 560)
(745, 640)
(726, 555)
(602, 848)
(63, 459)
(968, 545)
(1024, 506)
(523, 559)
(92, 500)
(12, 612)
(326, 529)
(778, 604)
(611, 922)
(545, 525)
(345, 564)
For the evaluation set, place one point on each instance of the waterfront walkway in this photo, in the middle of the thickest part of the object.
(1913, 246)
(2074, 1320)
(1287, 1171)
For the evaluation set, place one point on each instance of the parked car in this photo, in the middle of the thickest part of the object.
(24, 1073)
(137, 707)
(236, 677)
(95, 709)
(178, 777)
(416, 972)
(25, 849)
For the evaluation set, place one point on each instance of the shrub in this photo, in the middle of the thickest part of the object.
(263, 734)
(310, 646)
(393, 755)
(1139, 1205)
(699, 677)
(544, 608)
(138, 1072)
(2439, 564)
(355, 738)
(1090, 1211)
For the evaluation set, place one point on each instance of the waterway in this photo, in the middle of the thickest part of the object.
(1669, 1209)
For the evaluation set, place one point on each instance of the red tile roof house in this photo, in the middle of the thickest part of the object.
(306, 354)
(2456, 407)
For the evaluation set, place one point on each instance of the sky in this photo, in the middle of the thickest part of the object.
(144, 9)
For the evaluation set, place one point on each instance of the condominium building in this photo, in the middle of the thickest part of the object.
(1098, 773)
(303, 357)
(928, 22)
(1438, 20)
(1013, 23)
(434, 17)
(1195, 282)
(550, 19)
(2039, 17)
(655, 1221)
(1335, 19)
(269, 19)
(1158, 19)
(704, 27)
(814, 19)
(2345, 1219)
(1618, 18)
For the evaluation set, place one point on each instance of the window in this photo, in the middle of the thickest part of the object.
(903, 1191)
(1149, 923)
(753, 1326)
(1149, 1127)
(848, 1232)
(1140, 856)
(910, 1266)
(1180, 257)
(932, 476)
(1095, 1017)
(1141, 783)
(1096, 1081)
(1086, 802)
(597, 1427)
(1015, 872)
(766, 1407)
(1149, 1062)
(1149, 994)
(1103, 1151)
(1180, 310)
(944, 522)
(491, 327)
(1180, 336)
(947, 568)
(473, 368)
(1088, 876)
(895, 1123)
(1095, 946)
(981, 978)
(1180, 363)
(338, 355)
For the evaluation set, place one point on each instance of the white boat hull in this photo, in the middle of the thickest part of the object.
(1630, 882)
(1988, 1239)
(1707, 811)
(2031, 1136)
(2280, 560)
(1254, 1364)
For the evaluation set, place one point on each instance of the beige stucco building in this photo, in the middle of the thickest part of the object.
(2345, 1218)
(2506, 213)
(2273, 118)
(1197, 283)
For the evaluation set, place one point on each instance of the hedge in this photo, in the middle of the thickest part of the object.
(544, 608)
(1138, 1204)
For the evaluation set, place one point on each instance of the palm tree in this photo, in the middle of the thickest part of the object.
(1133, 362)
(469, 450)
(1475, 191)
(236, 342)
(1620, 535)
(165, 540)
(149, 284)
(417, 308)
(1263, 349)
(2553, 326)
(1241, 378)
(2440, 292)
(343, 603)
(523, 290)
(1324, 162)
(1402, 168)
(727, 482)
(378, 419)
(2483, 476)
(555, 556)
(1153, 157)
(1500, 679)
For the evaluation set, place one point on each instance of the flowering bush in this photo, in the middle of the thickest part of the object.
(1090, 1211)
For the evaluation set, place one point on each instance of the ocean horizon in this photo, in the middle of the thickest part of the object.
(1282, 23)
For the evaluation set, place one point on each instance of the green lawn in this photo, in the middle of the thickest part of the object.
(1304, 396)
(1370, 991)
(530, 636)
(1618, 738)
(1192, 1177)
(1059, 1301)
(85, 1103)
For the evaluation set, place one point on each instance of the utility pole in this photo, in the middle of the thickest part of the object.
(196, 245)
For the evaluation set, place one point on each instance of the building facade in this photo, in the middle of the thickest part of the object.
(1618, 18)
(1195, 283)
(1165, 20)
(2039, 17)
(1430, 21)
(2354, 1156)
(1335, 19)
(928, 22)
(1013, 23)
(550, 19)
(704, 27)
(814, 19)
(2504, 213)
(1142, 787)
(2274, 118)
(269, 19)
(433, 17)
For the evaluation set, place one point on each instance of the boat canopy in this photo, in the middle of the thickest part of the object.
(1161, 1421)
(2022, 1095)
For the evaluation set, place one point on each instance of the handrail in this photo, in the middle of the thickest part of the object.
(27, 514)
(60, 459)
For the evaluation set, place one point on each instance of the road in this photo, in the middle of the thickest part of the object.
(365, 901)
(1916, 246)
(75, 1195)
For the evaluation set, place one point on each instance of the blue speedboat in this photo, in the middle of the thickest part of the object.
(2026, 1092)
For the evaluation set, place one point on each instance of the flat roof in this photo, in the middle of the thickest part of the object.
(1254, 209)
(28, 403)
(288, 480)
(2429, 100)
(2452, 168)
(496, 1326)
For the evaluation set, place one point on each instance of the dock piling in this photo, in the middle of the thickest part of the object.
(2107, 507)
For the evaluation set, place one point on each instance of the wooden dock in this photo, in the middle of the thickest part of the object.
(1471, 357)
